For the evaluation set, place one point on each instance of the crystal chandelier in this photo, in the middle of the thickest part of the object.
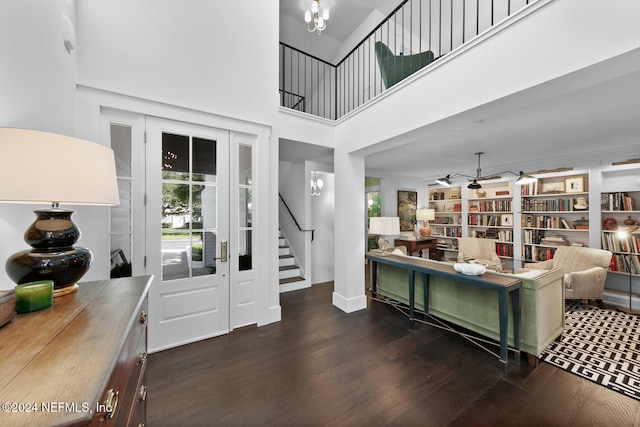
(319, 21)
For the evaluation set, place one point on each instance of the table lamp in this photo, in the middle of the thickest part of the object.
(40, 167)
(384, 226)
(425, 215)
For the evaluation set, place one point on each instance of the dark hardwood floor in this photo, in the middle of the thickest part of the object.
(321, 366)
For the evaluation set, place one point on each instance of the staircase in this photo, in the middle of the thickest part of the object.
(290, 276)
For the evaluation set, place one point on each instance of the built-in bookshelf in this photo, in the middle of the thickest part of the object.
(621, 211)
(447, 225)
(490, 215)
(555, 212)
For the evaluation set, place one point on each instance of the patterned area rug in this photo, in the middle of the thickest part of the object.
(602, 346)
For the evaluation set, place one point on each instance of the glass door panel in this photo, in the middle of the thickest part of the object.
(188, 206)
(245, 188)
(121, 239)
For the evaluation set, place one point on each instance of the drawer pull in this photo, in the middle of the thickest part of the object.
(143, 317)
(142, 357)
(142, 395)
(110, 403)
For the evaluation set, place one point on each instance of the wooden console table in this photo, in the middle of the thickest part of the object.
(430, 243)
(506, 287)
(81, 361)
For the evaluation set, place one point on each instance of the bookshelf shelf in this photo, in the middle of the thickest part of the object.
(555, 212)
(490, 215)
(556, 229)
(447, 226)
(620, 206)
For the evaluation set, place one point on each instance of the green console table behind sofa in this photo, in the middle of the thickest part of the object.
(473, 308)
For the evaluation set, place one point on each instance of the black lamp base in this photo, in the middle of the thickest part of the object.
(53, 256)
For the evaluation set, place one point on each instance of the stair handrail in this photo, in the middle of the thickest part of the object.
(294, 218)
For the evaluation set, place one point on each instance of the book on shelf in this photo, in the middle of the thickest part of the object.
(530, 189)
(611, 242)
(493, 206)
(535, 253)
(554, 240)
(581, 224)
(547, 221)
(617, 201)
(622, 263)
(504, 249)
(558, 205)
(483, 220)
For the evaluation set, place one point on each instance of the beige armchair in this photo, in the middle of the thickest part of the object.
(585, 270)
(480, 250)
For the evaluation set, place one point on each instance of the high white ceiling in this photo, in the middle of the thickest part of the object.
(571, 121)
(346, 16)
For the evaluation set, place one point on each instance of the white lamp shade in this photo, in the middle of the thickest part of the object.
(325, 14)
(384, 225)
(425, 214)
(307, 17)
(42, 167)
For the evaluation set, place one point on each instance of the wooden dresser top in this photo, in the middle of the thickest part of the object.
(60, 358)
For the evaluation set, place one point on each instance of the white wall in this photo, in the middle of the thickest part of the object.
(214, 56)
(293, 184)
(322, 221)
(37, 83)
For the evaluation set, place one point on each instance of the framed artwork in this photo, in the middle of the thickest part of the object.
(574, 184)
(407, 204)
(506, 220)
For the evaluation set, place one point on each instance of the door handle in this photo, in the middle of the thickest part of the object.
(223, 251)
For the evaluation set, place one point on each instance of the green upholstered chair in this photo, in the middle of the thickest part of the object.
(396, 67)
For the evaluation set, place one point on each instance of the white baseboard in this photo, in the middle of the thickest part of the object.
(349, 305)
(621, 299)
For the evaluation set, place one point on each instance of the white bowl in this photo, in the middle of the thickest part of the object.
(470, 269)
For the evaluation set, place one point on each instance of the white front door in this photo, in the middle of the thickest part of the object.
(187, 231)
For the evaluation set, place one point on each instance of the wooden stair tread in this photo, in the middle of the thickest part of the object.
(288, 267)
(286, 256)
(291, 279)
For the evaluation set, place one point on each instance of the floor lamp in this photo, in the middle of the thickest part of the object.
(625, 234)
(384, 226)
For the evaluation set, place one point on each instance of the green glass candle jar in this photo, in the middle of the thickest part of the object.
(34, 296)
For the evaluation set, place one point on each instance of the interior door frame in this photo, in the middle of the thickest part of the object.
(110, 116)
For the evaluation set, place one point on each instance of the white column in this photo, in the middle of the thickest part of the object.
(349, 243)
